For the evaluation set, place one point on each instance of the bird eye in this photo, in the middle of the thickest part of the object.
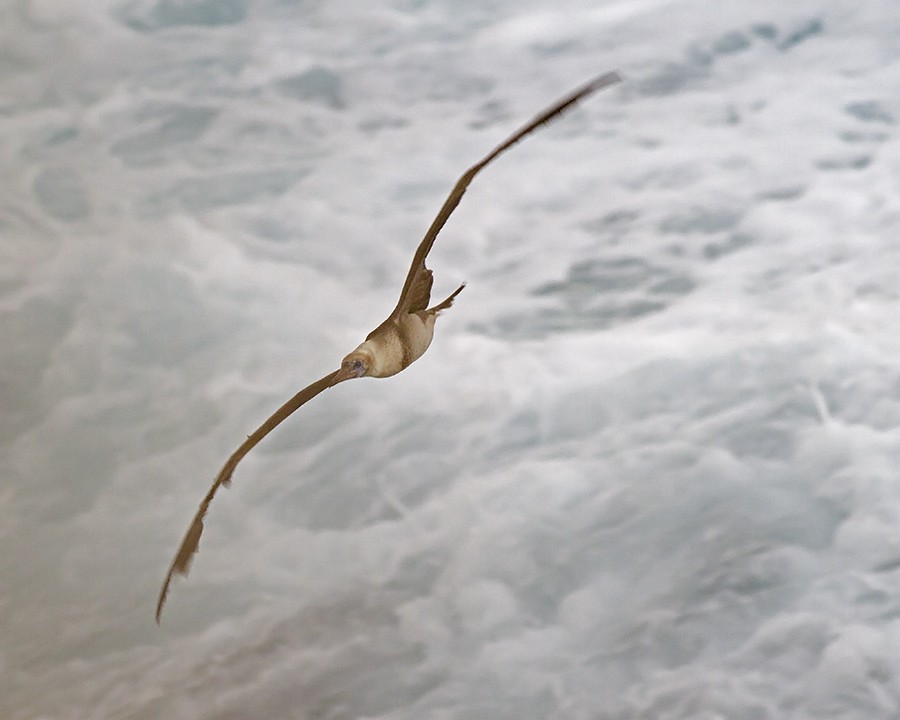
(357, 365)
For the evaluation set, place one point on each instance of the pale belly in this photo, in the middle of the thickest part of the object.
(418, 335)
(399, 346)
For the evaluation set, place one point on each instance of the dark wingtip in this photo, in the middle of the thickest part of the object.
(162, 597)
(607, 78)
(598, 83)
(182, 562)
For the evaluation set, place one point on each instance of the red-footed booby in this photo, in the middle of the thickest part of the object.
(391, 347)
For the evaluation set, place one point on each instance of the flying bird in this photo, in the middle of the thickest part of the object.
(391, 347)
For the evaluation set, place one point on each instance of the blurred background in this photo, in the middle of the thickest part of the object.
(649, 467)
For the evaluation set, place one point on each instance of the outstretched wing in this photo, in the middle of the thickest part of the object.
(189, 545)
(415, 280)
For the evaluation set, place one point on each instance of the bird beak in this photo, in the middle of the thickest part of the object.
(345, 373)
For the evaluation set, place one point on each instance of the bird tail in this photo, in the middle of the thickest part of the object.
(448, 302)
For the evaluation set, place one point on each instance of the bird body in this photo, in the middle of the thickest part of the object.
(391, 347)
(399, 341)
(394, 345)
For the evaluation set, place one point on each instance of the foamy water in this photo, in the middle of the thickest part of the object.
(649, 467)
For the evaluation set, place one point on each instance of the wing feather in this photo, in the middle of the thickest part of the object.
(408, 294)
(191, 542)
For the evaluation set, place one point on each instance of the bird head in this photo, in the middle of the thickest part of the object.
(356, 364)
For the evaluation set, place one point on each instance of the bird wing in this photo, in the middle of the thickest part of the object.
(411, 295)
(420, 291)
(190, 544)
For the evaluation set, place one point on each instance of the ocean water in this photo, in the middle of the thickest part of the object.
(650, 466)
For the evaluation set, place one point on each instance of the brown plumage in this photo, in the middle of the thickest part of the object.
(399, 341)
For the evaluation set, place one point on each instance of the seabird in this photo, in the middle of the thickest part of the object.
(391, 347)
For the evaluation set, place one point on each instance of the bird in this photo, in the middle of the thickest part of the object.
(392, 346)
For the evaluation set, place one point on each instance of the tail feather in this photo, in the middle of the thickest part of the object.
(443, 305)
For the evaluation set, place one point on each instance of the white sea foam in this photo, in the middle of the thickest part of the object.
(648, 468)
